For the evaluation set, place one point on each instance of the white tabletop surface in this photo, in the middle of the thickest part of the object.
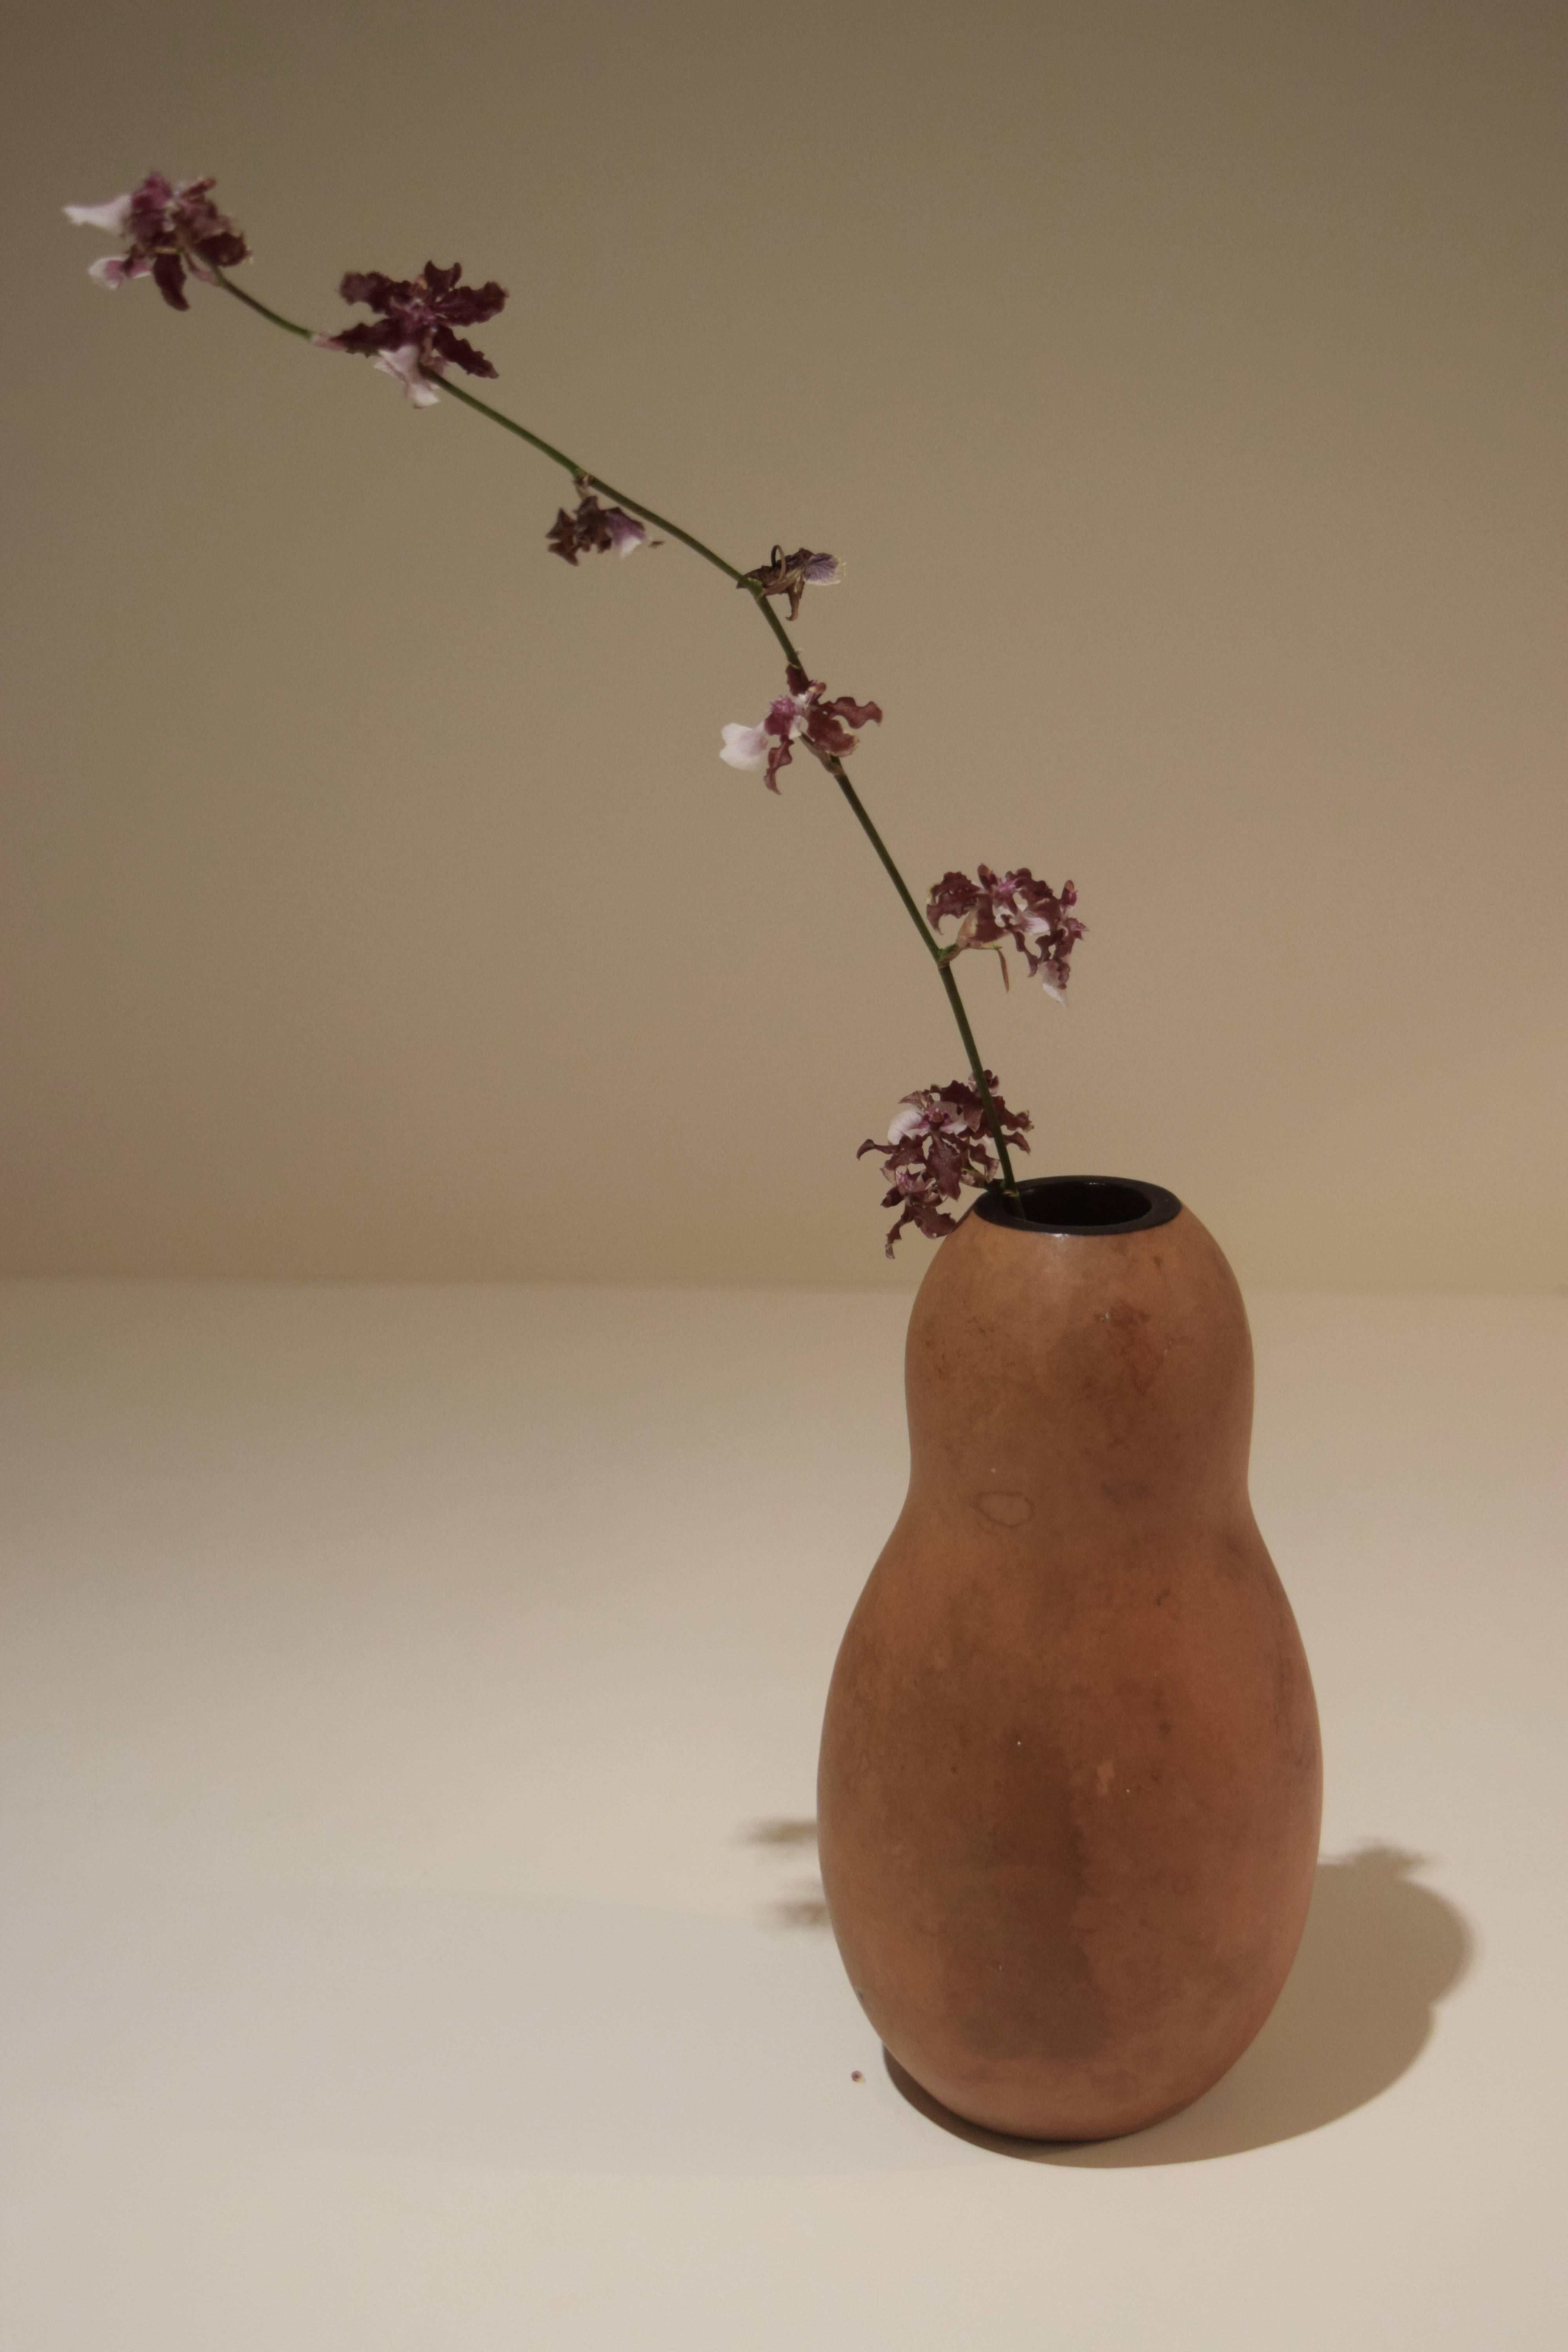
(398, 1684)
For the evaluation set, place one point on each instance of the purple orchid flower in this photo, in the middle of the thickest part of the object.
(594, 530)
(1037, 918)
(415, 336)
(799, 715)
(790, 575)
(168, 227)
(938, 1143)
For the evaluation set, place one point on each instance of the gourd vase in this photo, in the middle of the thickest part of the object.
(1070, 1779)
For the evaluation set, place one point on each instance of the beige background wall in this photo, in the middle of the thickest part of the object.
(1184, 386)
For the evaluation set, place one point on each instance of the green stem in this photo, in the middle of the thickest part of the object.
(1009, 1181)
(941, 958)
(834, 765)
(290, 326)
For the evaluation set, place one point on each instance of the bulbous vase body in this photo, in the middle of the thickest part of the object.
(1070, 1779)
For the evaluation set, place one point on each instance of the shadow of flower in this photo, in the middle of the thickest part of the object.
(806, 1906)
(1380, 1950)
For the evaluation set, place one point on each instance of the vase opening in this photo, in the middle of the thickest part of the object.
(1082, 1204)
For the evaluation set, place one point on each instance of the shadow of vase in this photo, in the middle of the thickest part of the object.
(1379, 1951)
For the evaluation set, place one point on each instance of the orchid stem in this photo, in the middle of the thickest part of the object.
(941, 957)
(290, 326)
(834, 765)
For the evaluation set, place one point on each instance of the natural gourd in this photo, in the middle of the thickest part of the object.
(1070, 1779)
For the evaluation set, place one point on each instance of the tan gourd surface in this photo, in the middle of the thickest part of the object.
(1071, 1782)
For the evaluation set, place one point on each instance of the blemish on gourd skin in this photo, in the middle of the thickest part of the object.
(1005, 1509)
(1141, 1355)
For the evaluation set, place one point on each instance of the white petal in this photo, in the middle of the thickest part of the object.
(403, 366)
(908, 1121)
(1054, 993)
(745, 747)
(108, 271)
(112, 216)
(824, 571)
(627, 533)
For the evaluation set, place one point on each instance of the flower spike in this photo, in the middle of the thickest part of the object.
(799, 715)
(942, 1137)
(937, 1144)
(168, 227)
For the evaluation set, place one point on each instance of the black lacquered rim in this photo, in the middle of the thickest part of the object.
(1084, 1205)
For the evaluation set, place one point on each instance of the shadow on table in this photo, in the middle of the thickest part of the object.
(579, 2036)
(1355, 2015)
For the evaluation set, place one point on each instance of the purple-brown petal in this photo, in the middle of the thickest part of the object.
(858, 714)
(372, 286)
(367, 336)
(460, 353)
(169, 277)
(562, 537)
(471, 306)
